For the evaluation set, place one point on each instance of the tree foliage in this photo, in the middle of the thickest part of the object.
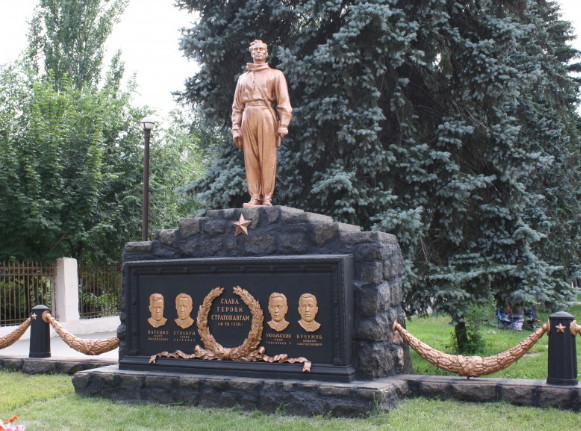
(71, 170)
(68, 38)
(451, 124)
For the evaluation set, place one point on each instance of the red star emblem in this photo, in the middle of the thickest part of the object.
(241, 225)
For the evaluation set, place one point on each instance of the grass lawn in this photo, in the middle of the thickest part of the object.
(48, 403)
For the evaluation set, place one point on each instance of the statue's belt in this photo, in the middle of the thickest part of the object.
(256, 103)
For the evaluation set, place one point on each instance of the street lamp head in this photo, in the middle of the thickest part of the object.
(148, 122)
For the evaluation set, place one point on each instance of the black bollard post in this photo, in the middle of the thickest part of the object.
(39, 334)
(562, 350)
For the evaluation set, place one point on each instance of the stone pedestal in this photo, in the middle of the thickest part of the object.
(283, 231)
(277, 233)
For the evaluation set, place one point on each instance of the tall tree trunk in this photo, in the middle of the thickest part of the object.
(461, 336)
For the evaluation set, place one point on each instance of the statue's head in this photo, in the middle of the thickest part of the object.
(308, 307)
(258, 50)
(156, 306)
(184, 305)
(277, 306)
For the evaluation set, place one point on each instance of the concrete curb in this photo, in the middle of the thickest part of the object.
(51, 365)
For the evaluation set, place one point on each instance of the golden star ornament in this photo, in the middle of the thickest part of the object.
(241, 225)
(560, 328)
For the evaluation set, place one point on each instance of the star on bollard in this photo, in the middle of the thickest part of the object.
(34, 316)
(241, 225)
(560, 328)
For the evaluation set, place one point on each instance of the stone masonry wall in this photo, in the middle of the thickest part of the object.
(279, 231)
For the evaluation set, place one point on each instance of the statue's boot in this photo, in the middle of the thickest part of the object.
(267, 200)
(255, 201)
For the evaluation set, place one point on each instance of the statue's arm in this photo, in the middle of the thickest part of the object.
(237, 108)
(283, 105)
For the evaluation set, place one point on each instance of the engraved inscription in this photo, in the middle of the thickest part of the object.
(309, 340)
(276, 339)
(230, 313)
(184, 336)
(157, 335)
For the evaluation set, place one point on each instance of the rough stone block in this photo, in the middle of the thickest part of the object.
(189, 247)
(214, 214)
(273, 214)
(38, 367)
(345, 227)
(138, 246)
(435, 389)
(231, 214)
(558, 397)
(396, 291)
(81, 381)
(260, 244)
(292, 244)
(15, 364)
(166, 236)
(335, 390)
(478, 391)
(233, 245)
(324, 232)
(376, 328)
(353, 238)
(304, 217)
(216, 227)
(190, 226)
(519, 394)
(210, 247)
(371, 300)
(371, 272)
(133, 382)
(164, 252)
(394, 268)
(373, 359)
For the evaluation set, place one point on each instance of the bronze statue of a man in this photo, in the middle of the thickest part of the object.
(257, 126)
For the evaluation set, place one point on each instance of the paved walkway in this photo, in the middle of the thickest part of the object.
(59, 349)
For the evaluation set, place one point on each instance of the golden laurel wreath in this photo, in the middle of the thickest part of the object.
(249, 350)
(215, 350)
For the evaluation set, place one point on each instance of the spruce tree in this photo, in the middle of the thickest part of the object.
(450, 124)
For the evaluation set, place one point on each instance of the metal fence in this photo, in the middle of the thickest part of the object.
(22, 286)
(99, 290)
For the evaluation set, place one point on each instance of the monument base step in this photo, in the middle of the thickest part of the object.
(311, 397)
(296, 397)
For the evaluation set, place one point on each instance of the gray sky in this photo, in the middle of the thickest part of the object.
(148, 37)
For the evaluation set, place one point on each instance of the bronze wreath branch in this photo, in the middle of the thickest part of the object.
(11, 338)
(575, 328)
(86, 346)
(471, 366)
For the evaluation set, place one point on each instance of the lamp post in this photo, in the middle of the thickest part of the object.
(148, 124)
